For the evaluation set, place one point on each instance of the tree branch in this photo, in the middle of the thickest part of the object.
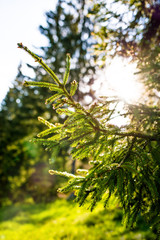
(155, 137)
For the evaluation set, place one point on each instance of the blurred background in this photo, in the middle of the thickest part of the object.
(28, 194)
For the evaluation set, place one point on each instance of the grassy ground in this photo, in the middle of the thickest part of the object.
(65, 220)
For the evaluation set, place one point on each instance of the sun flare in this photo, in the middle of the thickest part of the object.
(118, 78)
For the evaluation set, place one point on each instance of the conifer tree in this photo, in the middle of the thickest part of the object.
(18, 158)
(123, 161)
(68, 29)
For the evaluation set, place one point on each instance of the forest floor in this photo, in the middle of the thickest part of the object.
(66, 220)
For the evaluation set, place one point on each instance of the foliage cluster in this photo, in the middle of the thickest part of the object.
(124, 161)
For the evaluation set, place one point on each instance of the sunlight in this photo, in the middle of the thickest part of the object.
(118, 79)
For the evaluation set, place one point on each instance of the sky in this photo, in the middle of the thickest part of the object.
(19, 22)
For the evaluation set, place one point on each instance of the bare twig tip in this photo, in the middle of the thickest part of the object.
(20, 45)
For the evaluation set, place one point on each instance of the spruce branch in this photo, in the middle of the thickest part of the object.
(60, 87)
(123, 160)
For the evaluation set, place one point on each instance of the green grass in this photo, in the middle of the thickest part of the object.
(65, 220)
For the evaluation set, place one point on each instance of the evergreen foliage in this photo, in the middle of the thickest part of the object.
(124, 161)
